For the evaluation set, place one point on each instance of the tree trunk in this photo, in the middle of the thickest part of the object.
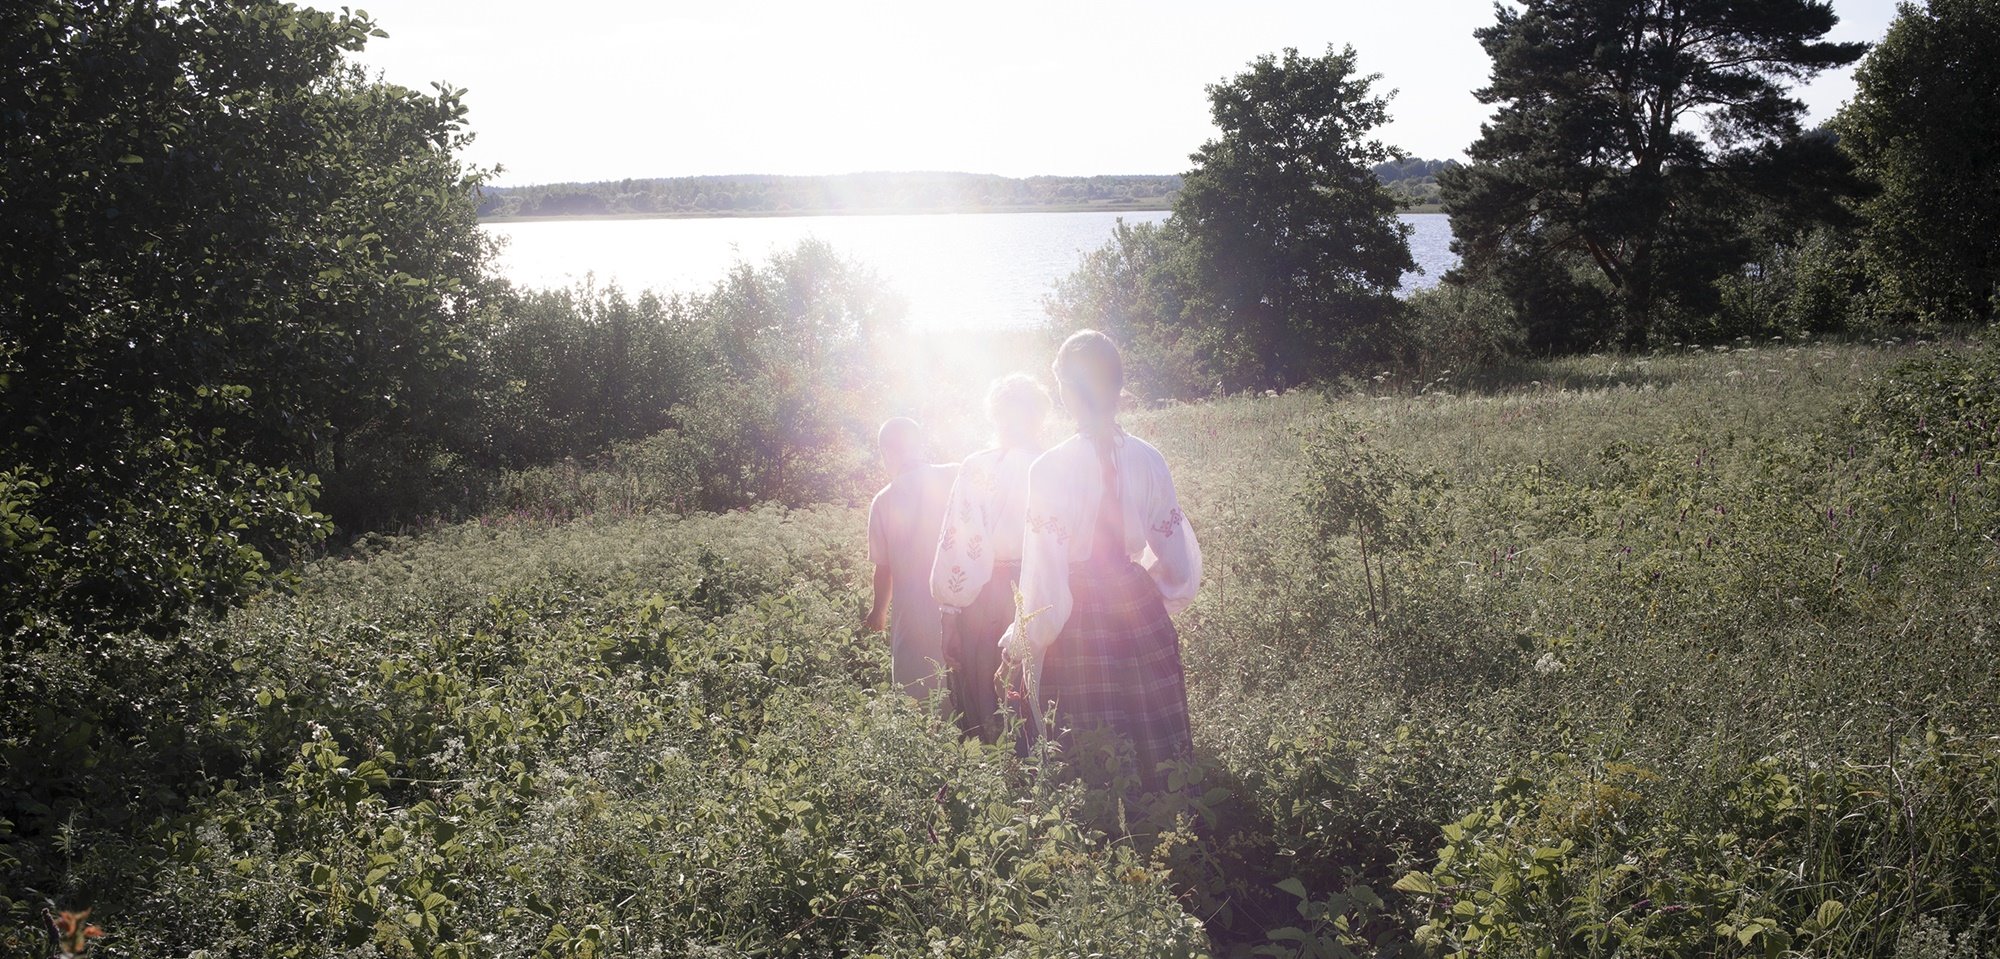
(1637, 302)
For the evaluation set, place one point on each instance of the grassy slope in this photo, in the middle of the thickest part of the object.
(1618, 594)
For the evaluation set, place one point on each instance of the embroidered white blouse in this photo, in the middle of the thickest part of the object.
(1064, 488)
(983, 524)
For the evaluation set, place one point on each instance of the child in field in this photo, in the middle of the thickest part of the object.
(1107, 556)
(903, 524)
(979, 550)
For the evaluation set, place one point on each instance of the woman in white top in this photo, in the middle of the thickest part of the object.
(979, 550)
(1107, 556)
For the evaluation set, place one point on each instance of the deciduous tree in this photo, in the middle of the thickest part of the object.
(225, 255)
(1294, 244)
(1923, 126)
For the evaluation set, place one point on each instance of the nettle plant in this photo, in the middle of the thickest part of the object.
(1604, 857)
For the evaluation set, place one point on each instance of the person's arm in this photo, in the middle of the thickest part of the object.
(1045, 595)
(964, 559)
(878, 553)
(1173, 554)
(878, 614)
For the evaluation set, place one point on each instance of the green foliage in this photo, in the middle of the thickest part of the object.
(1452, 326)
(766, 388)
(1294, 245)
(1590, 165)
(1942, 406)
(228, 258)
(1703, 616)
(1137, 289)
(1279, 263)
(1812, 284)
(1413, 182)
(1921, 127)
(1603, 857)
(603, 738)
(1684, 564)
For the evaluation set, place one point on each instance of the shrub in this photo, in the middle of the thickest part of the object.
(1457, 327)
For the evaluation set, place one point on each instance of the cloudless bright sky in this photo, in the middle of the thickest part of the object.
(607, 89)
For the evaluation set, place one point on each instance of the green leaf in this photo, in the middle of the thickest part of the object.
(1417, 882)
(1294, 886)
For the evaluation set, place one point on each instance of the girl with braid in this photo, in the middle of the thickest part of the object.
(1106, 556)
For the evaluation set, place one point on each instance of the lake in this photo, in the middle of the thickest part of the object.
(977, 270)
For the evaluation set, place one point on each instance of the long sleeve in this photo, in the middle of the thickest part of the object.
(1173, 555)
(1045, 592)
(964, 561)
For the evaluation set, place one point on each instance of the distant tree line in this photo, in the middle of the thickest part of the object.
(1413, 181)
(871, 192)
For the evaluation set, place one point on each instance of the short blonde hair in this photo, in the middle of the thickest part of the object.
(1017, 397)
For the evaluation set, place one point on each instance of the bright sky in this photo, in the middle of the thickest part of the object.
(607, 89)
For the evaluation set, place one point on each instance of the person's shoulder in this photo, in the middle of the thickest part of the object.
(1144, 451)
(978, 464)
(1058, 457)
(881, 496)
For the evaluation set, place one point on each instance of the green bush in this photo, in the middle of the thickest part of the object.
(1457, 327)
(1605, 857)
(661, 735)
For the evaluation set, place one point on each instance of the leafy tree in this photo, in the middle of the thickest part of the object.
(1293, 242)
(1922, 126)
(1630, 135)
(1136, 287)
(226, 258)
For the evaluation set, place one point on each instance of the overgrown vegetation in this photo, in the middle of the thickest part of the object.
(1661, 654)
(1677, 653)
(762, 389)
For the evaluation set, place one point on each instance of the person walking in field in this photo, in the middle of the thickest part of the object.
(903, 524)
(1107, 554)
(978, 558)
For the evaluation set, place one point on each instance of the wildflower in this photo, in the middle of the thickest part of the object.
(73, 934)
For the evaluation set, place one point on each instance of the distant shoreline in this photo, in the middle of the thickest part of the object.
(1140, 207)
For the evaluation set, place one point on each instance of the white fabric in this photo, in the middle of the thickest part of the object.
(1064, 488)
(983, 525)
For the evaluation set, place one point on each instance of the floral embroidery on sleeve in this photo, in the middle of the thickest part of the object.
(975, 546)
(1048, 526)
(1166, 527)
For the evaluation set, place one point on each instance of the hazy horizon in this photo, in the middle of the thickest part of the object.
(617, 89)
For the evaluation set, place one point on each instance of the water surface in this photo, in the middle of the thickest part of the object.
(971, 270)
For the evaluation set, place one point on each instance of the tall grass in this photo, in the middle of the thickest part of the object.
(1688, 654)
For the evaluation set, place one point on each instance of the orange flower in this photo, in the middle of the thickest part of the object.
(73, 935)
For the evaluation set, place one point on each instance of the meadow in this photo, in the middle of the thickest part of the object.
(1683, 654)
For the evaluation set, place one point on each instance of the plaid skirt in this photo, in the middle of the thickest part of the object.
(972, 641)
(1117, 666)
